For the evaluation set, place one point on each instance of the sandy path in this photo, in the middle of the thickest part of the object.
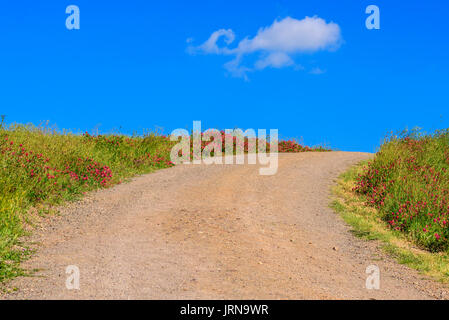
(212, 232)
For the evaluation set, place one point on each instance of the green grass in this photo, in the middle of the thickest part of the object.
(367, 223)
(41, 168)
(408, 182)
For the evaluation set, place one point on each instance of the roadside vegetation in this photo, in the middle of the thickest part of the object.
(294, 146)
(246, 144)
(401, 197)
(41, 167)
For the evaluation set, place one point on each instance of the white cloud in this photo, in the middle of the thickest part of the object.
(275, 60)
(291, 35)
(210, 46)
(276, 44)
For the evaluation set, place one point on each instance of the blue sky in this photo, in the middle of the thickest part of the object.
(129, 68)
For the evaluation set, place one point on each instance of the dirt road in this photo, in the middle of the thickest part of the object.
(213, 232)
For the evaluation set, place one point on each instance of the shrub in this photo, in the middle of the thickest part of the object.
(408, 182)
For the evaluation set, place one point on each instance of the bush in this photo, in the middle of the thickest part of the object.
(408, 182)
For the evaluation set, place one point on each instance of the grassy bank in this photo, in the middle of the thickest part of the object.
(40, 168)
(401, 197)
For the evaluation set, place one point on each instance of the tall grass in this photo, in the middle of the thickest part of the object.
(40, 167)
(408, 182)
